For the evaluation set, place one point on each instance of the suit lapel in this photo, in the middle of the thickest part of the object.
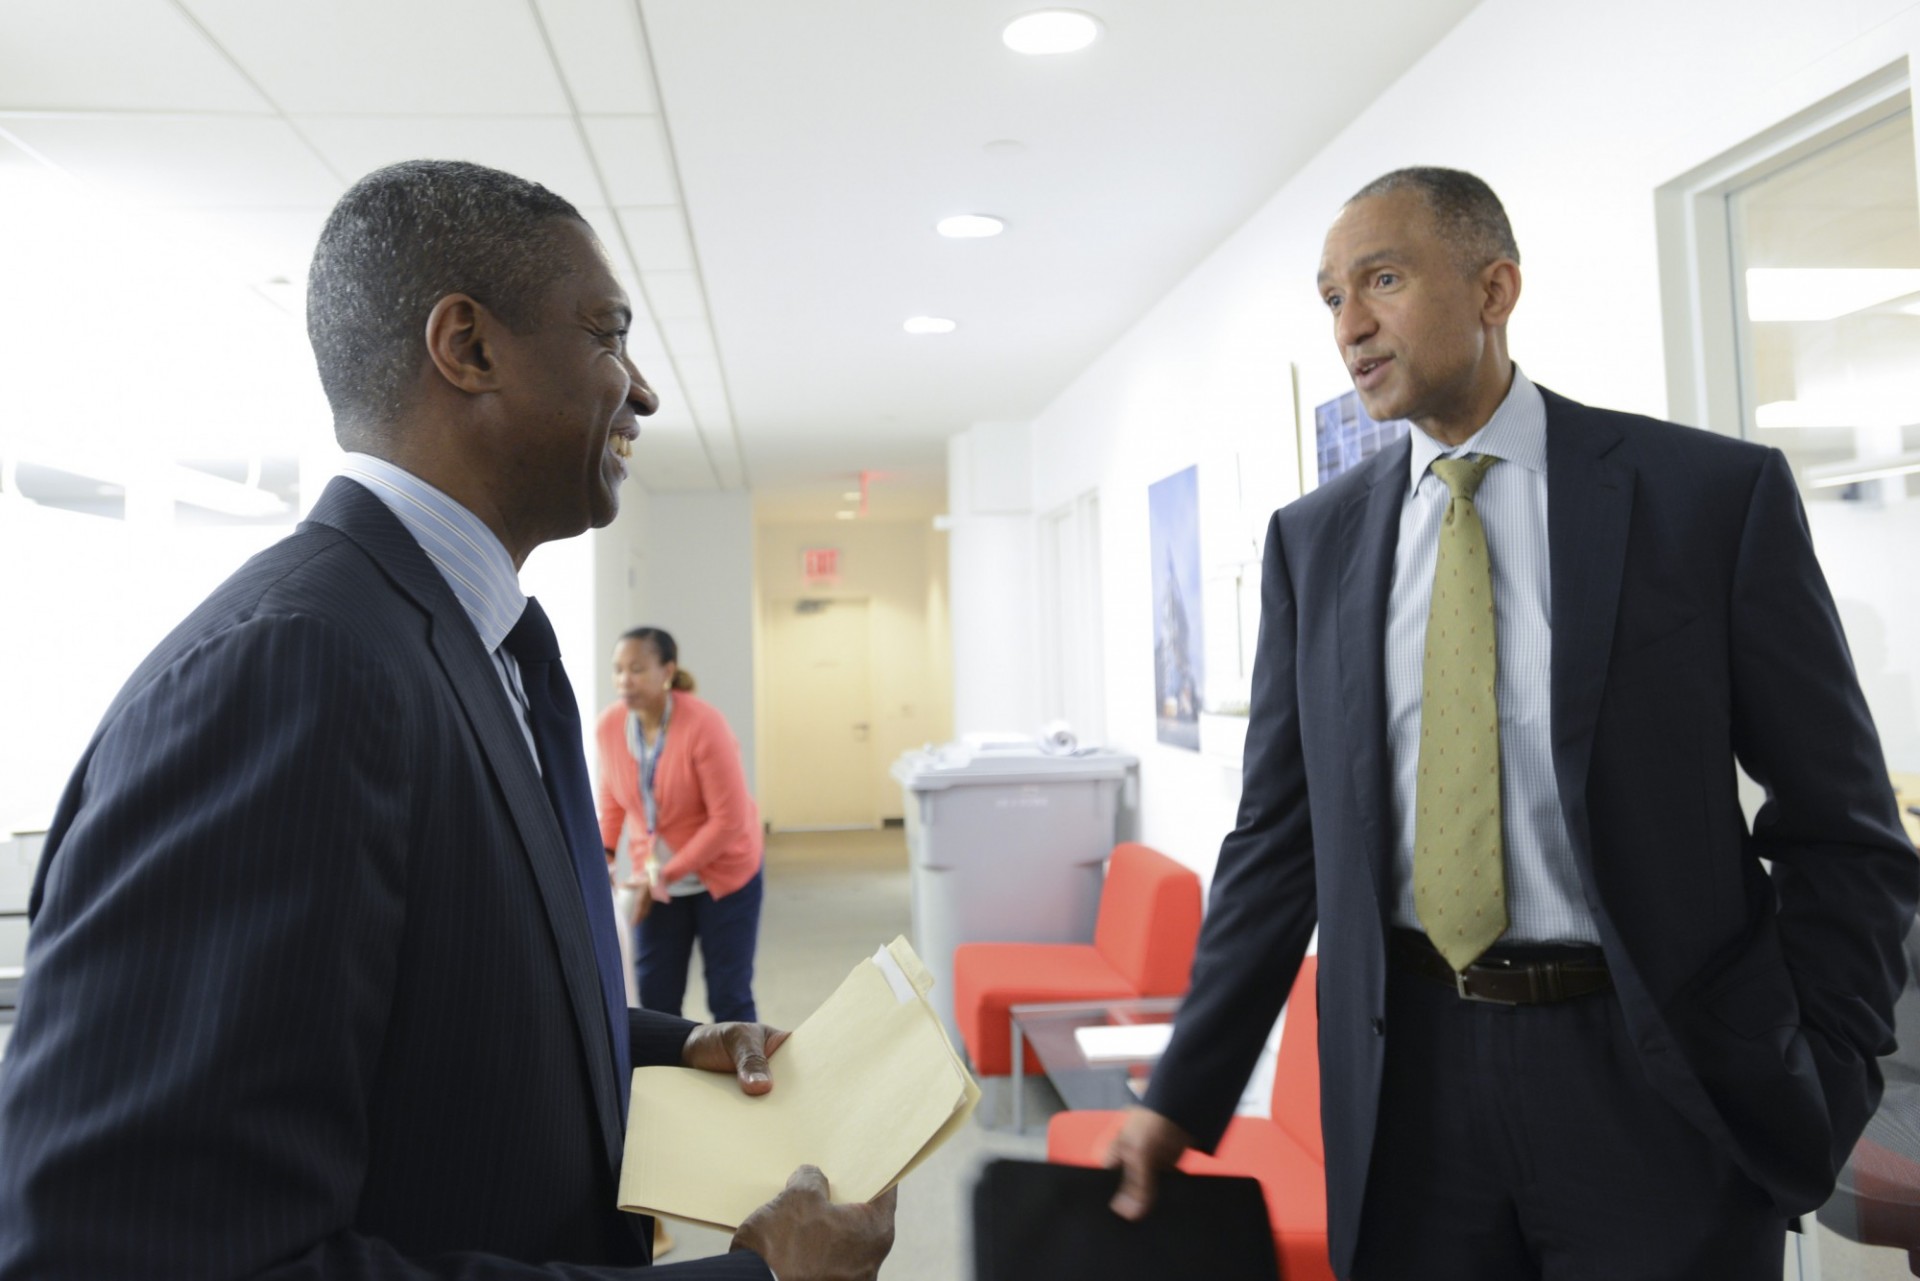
(1369, 532)
(1589, 506)
(475, 682)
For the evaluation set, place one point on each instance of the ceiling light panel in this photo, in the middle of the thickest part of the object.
(970, 226)
(1051, 31)
(602, 55)
(929, 325)
(56, 55)
(377, 57)
(632, 151)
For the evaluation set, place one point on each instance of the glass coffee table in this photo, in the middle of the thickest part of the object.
(1114, 1076)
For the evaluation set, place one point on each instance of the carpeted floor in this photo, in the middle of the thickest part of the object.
(832, 897)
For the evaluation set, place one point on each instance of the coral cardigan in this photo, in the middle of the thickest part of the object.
(705, 814)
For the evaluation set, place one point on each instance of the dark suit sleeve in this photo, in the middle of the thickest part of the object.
(212, 962)
(1845, 874)
(1261, 910)
(656, 1039)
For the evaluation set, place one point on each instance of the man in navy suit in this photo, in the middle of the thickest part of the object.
(316, 976)
(1645, 1037)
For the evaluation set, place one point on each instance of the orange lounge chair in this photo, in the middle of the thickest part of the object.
(1284, 1151)
(1142, 945)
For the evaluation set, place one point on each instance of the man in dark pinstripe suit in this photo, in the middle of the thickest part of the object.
(313, 991)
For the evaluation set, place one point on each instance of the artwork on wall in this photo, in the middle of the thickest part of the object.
(1345, 437)
(1179, 645)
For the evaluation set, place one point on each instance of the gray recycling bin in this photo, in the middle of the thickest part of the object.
(1006, 844)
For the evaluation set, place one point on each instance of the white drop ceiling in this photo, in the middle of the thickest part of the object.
(765, 173)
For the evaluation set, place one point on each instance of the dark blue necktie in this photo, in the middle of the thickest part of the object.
(555, 720)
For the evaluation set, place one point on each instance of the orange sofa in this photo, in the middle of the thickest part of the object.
(1283, 1151)
(1143, 941)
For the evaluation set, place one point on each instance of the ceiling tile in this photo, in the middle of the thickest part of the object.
(632, 151)
(383, 58)
(710, 410)
(725, 458)
(688, 337)
(659, 238)
(187, 162)
(56, 55)
(545, 149)
(602, 53)
(607, 226)
(706, 390)
(675, 295)
(643, 335)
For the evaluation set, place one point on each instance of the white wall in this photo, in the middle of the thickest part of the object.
(1575, 114)
(683, 562)
(993, 553)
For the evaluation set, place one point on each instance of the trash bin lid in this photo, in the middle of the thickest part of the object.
(963, 764)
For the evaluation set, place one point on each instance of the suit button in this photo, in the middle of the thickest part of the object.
(1379, 1027)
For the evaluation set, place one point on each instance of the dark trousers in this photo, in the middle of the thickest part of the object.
(1523, 1143)
(728, 929)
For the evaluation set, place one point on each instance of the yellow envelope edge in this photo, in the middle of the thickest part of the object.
(680, 1117)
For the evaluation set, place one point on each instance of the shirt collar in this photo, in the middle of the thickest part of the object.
(1517, 433)
(473, 561)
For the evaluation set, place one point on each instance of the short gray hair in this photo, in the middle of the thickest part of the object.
(399, 241)
(1470, 217)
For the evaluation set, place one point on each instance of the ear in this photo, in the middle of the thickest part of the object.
(1499, 291)
(460, 338)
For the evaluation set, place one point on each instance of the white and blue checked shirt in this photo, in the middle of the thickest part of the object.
(1544, 900)
(468, 555)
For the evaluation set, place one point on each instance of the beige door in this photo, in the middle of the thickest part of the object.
(819, 701)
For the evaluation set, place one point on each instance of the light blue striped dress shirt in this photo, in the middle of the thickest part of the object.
(467, 554)
(1544, 900)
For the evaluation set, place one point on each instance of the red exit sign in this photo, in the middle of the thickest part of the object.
(820, 566)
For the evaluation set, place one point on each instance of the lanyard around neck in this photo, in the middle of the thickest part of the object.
(648, 760)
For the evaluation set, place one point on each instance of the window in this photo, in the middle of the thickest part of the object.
(1827, 277)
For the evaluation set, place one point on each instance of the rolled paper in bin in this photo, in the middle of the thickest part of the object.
(1058, 739)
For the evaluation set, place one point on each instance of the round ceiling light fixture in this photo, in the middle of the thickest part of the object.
(929, 325)
(970, 226)
(1051, 31)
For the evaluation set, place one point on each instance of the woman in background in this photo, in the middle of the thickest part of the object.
(670, 776)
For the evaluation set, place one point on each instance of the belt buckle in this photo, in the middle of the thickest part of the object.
(1466, 994)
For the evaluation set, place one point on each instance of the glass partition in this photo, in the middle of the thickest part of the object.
(1826, 253)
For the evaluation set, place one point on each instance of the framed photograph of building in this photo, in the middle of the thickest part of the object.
(1179, 643)
(1344, 437)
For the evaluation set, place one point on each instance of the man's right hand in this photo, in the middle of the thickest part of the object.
(803, 1236)
(1147, 1144)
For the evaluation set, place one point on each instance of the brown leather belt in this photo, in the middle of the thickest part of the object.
(1533, 976)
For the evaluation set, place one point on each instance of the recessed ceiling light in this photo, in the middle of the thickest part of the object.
(970, 226)
(843, 515)
(929, 325)
(1051, 31)
(851, 496)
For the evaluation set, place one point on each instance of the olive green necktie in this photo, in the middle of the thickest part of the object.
(1459, 883)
